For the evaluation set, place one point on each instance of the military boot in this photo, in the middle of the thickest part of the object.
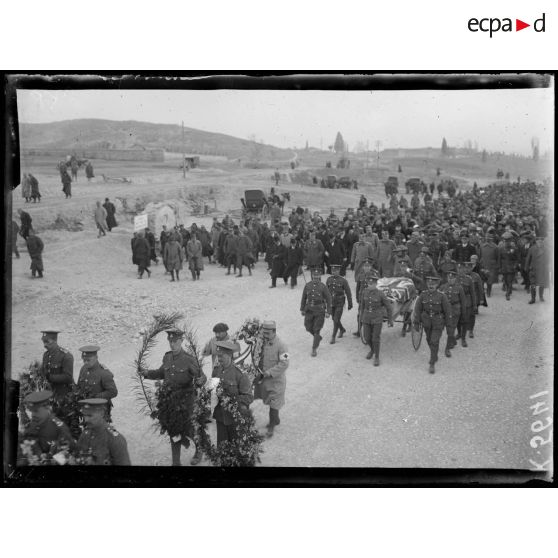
(533, 291)
(541, 292)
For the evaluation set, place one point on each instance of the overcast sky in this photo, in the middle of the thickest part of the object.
(498, 120)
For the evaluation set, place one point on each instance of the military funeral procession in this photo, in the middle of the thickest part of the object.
(328, 279)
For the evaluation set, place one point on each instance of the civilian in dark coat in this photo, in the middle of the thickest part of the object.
(464, 251)
(111, 211)
(66, 182)
(150, 237)
(278, 262)
(294, 260)
(35, 248)
(335, 253)
(141, 254)
(26, 221)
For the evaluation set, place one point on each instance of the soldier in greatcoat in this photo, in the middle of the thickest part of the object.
(466, 317)
(294, 260)
(273, 366)
(536, 264)
(57, 365)
(509, 261)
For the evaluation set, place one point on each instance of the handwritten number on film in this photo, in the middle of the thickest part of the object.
(540, 425)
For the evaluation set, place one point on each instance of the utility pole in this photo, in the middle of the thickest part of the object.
(378, 143)
(183, 154)
(367, 149)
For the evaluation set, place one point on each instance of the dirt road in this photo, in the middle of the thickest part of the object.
(340, 411)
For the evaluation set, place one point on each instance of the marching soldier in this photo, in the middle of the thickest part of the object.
(456, 298)
(315, 306)
(58, 365)
(48, 433)
(402, 262)
(423, 267)
(466, 317)
(479, 293)
(236, 385)
(339, 289)
(181, 373)
(372, 304)
(95, 379)
(362, 279)
(100, 443)
(509, 259)
(433, 310)
(274, 364)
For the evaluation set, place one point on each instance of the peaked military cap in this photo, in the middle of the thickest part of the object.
(400, 248)
(316, 270)
(451, 271)
(93, 403)
(174, 333)
(269, 324)
(507, 235)
(432, 277)
(425, 250)
(50, 331)
(220, 327)
(38, 398)
(335, 266)
(372, 275)
(226, 346)
(89, 349)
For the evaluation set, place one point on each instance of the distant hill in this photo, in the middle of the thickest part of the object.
(130, 134)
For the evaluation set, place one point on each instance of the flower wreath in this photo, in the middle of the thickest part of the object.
(168, 407)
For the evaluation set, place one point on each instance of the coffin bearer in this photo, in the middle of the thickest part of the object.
(96, 380)
(339, 289)
(47, 433)
(315, 306)
(181, 374)
(433, 310)
(456, 298)
(236, 385)
(100, 443)
(274, 364)
(372, 304)
(58, 365)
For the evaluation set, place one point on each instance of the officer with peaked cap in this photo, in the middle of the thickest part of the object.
(456, 298)
(372, 305)
(95, 379)
(181, 373)
(236, 385)
(57, 365)
(339, 289)
(433, 310)
(273, 365)
(315, 306)
(221, 334)
(402, 262)
(46, 432)
(100, 443)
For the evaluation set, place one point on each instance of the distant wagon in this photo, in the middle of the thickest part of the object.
(255, 203)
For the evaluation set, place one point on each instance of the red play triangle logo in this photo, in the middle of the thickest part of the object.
(519, 25)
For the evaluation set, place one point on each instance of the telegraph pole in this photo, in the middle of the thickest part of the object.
(183, 154)
(378, 143)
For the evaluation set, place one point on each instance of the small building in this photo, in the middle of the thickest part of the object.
(193, 161)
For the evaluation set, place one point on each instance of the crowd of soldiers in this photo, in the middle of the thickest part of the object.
(95, 441)
(454, 249)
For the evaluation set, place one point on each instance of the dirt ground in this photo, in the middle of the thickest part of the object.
(340, 410)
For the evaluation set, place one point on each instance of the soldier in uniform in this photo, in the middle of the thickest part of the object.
(422, 268)
(509, 260)
(371, 309)
(48, 433)
(456, 299)
(95, 380)
(100, 443)
(402, 262)
(273, 365)
(466, 316)
(362, 282)
(58, 365)
(339, 289)
(479, 293)
(315, 306)
(236, 385)
(433, 310)
(181, 373)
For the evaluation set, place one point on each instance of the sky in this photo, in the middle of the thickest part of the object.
(497, 120)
